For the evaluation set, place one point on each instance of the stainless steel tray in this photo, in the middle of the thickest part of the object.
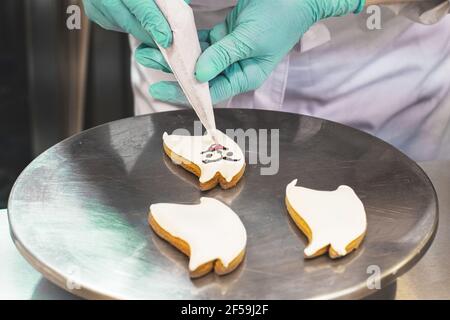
(78, 213)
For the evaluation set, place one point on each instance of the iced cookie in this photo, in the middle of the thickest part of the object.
(333, 221)
(214, 162)
(210, 233)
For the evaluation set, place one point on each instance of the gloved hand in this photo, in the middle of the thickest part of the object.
(140, 18)
(247, 47)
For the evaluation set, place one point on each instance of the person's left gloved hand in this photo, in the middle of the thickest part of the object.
(247, 47)
(140, 18)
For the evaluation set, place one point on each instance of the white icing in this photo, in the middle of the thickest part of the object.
(335, 218)
(212, 230)
(192, 148)
(182, 57)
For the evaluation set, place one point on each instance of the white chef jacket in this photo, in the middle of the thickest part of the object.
(393, 83)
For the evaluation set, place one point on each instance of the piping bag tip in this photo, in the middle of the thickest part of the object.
(213, 134)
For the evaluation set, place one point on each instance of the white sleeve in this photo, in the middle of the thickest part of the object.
(425, 12)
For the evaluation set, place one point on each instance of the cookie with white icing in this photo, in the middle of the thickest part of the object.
(210, 233)
(333, 221)
(219, 161)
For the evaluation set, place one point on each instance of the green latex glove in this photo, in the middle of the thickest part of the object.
(247, 47)
(151, 57)
(140, 18)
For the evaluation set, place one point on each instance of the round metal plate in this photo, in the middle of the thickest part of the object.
(78, 212)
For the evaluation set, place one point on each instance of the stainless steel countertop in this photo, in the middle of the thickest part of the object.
(83, 152)
(78, 212)
(18, 279)
(429, 279)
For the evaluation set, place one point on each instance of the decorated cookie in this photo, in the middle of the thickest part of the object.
(333, 221)
(214, 162)
(210, 233)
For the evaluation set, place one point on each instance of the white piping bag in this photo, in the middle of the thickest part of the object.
(182, 57)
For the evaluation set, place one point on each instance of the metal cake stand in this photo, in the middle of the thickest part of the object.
(78, 213)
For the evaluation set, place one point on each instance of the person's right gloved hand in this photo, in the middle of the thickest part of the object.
(140, 18)
(246, 48)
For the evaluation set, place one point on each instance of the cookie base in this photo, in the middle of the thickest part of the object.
(306, 230)
(193, 168)
(216, 265)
